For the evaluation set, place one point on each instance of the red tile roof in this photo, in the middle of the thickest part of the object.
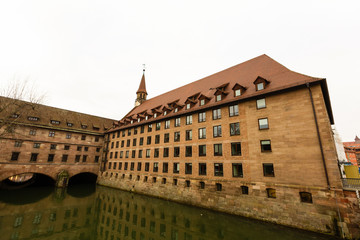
(244, 74)
(142, 86)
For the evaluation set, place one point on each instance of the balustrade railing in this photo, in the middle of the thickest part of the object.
(351, 183)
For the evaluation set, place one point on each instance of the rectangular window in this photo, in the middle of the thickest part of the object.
(216, 114)
(135, 131)
(188, 106)
(271, 192)
(116, 154)
(96, 159)
(127, 143)
(177, 122)
(17, 144)
(126, 166)
(259, 86)
(165, 167)
(157, 139)
(139, 166)
(218, 169)
(52, 146)
(188, 119)
(121, 154)
(120, 165)
(15, 156)
(166, 152)
(112, 145)
(150, 128)
(202, 150)
(236, 149)
(237, 170)
(263, 123)
(122, 143)
(202, 102)
(166, 137)
(265, 145)
(188, 168)
(147, 153)
(32, 132)
(268, 170)
(176, 136)
(176, 151)
(142, 129)
(67, 147)
(51, 157)
(245, 190)
(234, 129)
(202, 169)
(36, 145)
(111, 155)
(158, 126)
(167, 124)
(148, 140)
(133, 153)
(134, 142)
(218, 149)
(188, 151)
(129, 132)
(218, 97)
(97, 139)
(147, 166)
(202, 133)
(234, 110)
(188, 135)
(77, 158)
(176, 168)
(260, 103)
(237, 92)
(117, 144)
(156, 153)
(64, 158)
(140, 153)
(156, 167)
(132, 166)
(84, 158)
(202, 117)
(83, 137)
(51, 133)
(33, 157)
(141, 141)
(127, 154)
(217, 131)
(78, 148)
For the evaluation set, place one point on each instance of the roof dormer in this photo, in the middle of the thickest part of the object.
(238, 90)
(203, 99)
(191, 101)
(220, 92)
(261, 83)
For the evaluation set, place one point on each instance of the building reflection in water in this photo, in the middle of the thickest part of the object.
(110, 214)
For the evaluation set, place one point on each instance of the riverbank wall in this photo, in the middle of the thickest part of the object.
(333, 212)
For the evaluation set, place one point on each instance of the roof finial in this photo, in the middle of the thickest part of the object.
(144, 67)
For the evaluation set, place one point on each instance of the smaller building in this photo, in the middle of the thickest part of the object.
(352, 151)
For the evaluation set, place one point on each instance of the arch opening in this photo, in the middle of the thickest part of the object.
(82, 185)
(24, 180)
(83, 178)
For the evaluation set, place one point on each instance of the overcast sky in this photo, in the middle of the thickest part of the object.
(87, 55)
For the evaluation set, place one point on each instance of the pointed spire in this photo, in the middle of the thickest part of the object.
(357, 139)
(142, 86)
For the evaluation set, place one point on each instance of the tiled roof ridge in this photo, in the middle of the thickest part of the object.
(262, 66)
(56, 108)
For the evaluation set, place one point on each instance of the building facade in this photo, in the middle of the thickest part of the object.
(51, 141)
(352, 151)
(253, 140)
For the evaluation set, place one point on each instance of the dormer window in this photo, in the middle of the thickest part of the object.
(238, 90)
(55, 122)
(83, 126)
(69, 124)
(218, 97)
(188, 106)
(165, 112)
(176, 110)
(260, 83)
(146, 117)
(15, 115)
(138, 120)
(155, 115)
(202, 102)
(33, 118)
(132, 121)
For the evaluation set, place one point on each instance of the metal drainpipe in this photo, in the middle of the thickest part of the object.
(318, 134)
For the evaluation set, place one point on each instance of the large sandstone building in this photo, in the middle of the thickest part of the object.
(38, 139)
(252, 140)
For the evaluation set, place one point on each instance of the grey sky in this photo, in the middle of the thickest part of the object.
(87, 55)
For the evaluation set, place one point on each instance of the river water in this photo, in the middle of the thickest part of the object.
(101, 213)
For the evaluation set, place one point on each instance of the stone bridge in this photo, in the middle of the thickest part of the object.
(60, 173)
